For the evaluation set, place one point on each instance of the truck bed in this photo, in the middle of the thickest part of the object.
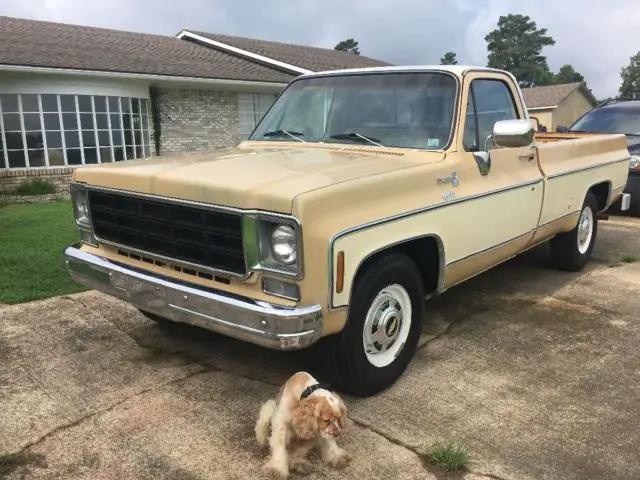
(548, 137)
(580, 161)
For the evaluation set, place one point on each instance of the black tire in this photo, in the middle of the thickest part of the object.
(344, 359)
(565, 252)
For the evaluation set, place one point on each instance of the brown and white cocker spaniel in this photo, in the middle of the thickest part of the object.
(304, 415)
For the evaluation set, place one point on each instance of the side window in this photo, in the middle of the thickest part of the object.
(492, 102)
(470, 138)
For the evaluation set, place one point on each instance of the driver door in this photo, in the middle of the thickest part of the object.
(504, 184)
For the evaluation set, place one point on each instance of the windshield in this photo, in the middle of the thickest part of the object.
(610, 120)
(408, 110)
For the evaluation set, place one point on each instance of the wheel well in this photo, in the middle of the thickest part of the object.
(601, 192)
(425, 253)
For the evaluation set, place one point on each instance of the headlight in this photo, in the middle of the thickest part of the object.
(272, 244)
(635, 162)
(80, 206)
(80, 200)
(284, 244)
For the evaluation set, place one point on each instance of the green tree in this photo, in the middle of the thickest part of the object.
(349, 45)
(516, 46)
(630, 87)
(449, 58)
(567, 74)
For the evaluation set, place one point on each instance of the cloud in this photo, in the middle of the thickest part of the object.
(596, 37)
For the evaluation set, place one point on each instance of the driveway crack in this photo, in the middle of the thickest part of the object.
(208, 368)
(82, 419)
(416, 450)
(453, 322)
(389, 438)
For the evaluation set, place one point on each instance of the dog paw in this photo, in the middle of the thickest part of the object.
(302, 466)
(276, 471)
(340, 460)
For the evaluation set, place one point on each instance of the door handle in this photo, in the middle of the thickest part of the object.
(527, 156)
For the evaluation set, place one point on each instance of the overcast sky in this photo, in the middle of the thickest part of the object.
(596, 36)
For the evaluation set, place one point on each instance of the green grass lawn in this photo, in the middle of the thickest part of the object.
(32, 239)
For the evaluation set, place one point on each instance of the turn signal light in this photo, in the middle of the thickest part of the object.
(340, 272)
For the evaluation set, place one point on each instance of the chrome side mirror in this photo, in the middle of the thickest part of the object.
(513, 133)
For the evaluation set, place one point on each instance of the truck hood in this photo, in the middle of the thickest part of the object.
(264, 177)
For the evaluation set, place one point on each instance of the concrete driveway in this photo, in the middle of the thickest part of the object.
(537, 371)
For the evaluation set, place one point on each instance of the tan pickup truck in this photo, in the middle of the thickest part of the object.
(360, 194)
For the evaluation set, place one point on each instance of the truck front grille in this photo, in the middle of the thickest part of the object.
(186, 233)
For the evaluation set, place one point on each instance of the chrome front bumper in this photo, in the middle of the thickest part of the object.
(253, 321)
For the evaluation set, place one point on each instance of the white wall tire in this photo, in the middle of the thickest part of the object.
(387, 325)
(382, 331)
(572, 250)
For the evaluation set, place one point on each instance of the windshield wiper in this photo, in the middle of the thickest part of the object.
(281, 133)
(356, 136)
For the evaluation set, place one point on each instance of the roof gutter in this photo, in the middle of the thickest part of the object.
(242, 53)
(143, 76)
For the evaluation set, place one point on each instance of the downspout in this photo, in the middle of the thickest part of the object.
(155, 114)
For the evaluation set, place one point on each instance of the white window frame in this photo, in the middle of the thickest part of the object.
(253, 99)
(146, 139)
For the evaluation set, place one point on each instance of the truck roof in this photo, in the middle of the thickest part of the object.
(457, 70)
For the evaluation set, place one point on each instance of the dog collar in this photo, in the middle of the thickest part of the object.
(309, 390)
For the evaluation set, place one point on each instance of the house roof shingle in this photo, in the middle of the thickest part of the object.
(58, 45)
(548, 96)
(311, 58)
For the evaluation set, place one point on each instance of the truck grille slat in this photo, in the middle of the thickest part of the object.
(218, 235)
(185, 233)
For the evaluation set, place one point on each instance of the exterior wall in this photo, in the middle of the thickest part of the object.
(191, 119)
(571, 108)
(194, 120)
(60, 177)
(545, 117)
(53, 167)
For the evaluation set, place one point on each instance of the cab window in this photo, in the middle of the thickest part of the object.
(489, 102)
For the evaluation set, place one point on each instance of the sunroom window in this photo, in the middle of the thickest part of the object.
(50, 130)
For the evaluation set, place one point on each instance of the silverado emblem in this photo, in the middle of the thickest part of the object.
(452, 179)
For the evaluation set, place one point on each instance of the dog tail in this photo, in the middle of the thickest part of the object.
(264, 420)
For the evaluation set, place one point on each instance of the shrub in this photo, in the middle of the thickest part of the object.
(36, 186)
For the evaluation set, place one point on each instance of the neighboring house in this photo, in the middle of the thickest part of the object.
(73, 95)
(555, 105)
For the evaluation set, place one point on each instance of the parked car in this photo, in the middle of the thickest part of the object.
(617, 116)
(360, 194)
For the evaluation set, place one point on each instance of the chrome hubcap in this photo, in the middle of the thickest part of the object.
(585, 230)
(387, 325)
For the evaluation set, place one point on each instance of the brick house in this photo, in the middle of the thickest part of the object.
(73, 95)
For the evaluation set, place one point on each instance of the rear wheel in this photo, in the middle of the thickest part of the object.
(382, 330)
(570, 251)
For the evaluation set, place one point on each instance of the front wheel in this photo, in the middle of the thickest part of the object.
(570, 251)
(382, 330)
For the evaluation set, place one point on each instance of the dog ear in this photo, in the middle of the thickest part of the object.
(304, 419)
(343, 410)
